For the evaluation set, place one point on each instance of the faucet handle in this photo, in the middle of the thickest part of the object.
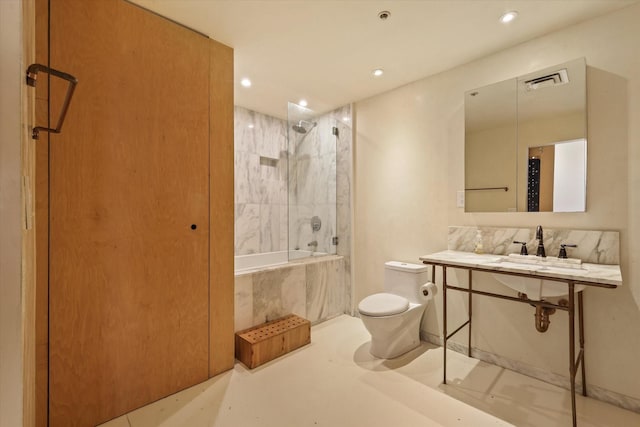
(523, 249)
(563, 251)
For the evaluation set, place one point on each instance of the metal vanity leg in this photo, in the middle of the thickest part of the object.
(572, 352)
(470, 311)
(581, 326)
(444, 322)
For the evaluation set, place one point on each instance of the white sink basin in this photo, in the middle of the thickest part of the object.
(479, 258)
(537, 288)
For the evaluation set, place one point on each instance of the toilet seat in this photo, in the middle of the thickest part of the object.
(383, 304)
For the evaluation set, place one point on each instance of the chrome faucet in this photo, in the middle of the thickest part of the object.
(540, 238)
(314, 244)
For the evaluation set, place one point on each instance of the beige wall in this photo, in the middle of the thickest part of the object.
(10, 226)
(410, 163)
(490, 161)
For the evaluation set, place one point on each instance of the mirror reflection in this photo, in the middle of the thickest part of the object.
(552, 169)
(528, 135)
(491, 131)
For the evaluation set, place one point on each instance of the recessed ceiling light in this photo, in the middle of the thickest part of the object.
(346, 119)
(384, 15)
(250, 126)
(509, 16)
(245, 82)
(378, 72)
(303, 103)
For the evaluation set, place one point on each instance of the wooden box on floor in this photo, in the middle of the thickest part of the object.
(260, 344)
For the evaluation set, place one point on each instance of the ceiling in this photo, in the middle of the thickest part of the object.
(324, 51)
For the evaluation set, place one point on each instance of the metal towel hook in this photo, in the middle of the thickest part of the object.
(32, 74)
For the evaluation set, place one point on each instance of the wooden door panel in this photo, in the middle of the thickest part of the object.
(129, 175)
(222, 337)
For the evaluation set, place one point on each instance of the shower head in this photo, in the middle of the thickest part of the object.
(301, 128)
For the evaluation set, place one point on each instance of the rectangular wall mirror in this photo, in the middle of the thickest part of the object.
(526, 142)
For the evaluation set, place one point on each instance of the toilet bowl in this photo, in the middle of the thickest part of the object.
(393, 317)
(395, 334)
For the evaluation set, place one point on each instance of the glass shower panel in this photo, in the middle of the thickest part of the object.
(312, 183)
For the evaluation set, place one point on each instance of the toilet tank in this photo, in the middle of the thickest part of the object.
(405, 279)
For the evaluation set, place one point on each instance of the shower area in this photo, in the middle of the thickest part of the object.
(312, 188)
(292, 214)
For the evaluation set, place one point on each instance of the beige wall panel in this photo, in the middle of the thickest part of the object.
(489, 162)
(410, 163)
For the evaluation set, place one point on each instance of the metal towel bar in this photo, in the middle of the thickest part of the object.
(32, 73)
(487, 188)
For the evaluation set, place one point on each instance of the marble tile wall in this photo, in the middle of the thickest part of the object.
(344, 161)
(597, 247)
(320, 179)
(312, 288)
(321, 169)
(312, 186)
(266, 214)
(260, 182)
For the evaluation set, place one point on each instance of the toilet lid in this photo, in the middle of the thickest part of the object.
(383, 305)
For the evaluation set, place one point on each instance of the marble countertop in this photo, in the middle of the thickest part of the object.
(602, 274)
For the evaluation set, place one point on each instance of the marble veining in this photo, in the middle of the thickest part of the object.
(269, 289)
(325, 290)
(273, 212)
(312, 184)
(588, 274)
(312, 288)
(247, 174)
(269, 227)
(595, 247)
(344, 173)
(260, 182)
(599, 251)
(275, 197)
(247, 228)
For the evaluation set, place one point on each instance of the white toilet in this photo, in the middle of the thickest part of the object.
(393, 317)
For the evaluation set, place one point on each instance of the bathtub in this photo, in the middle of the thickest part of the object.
(313, 287)
(247, 263)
